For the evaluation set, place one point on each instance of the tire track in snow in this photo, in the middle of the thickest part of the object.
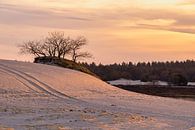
(20, 81)
(29, 81)
(45, 88)
(42, 83)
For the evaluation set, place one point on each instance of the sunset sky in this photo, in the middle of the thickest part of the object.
(117, 30)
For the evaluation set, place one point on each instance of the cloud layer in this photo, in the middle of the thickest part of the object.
(106, 23)
(98, 17)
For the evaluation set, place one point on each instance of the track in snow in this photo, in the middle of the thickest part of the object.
(34, 82)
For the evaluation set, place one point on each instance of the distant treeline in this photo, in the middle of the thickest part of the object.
(178, 73)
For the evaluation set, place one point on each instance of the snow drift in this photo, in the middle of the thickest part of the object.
(47, 79)
(36, 96)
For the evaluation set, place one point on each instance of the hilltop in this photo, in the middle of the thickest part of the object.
(38, 96)
(65, 63)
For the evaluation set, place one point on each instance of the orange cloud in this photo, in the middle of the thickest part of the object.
(134, 30)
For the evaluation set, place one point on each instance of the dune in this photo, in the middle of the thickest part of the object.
(36, 96)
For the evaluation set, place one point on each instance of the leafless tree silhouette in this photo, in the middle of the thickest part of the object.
(56, 44)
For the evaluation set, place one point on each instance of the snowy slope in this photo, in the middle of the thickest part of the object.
(35, 96)
(136, 82)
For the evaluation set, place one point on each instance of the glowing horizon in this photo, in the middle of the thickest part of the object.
(139, 30)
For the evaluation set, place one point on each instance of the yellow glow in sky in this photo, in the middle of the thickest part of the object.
(137, 30)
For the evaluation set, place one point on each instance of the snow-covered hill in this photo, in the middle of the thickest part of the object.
(35, 96)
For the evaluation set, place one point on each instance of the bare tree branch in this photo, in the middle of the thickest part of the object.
(77, 45)
(81, 56)
(32, 47)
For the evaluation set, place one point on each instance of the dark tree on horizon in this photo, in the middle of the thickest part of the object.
(172, 72)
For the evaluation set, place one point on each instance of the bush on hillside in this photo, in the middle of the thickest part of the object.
(63, 63)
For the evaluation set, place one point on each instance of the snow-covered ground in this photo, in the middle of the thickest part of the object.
(136, 82)
(191, 83)
(139, 82)
(43, 97)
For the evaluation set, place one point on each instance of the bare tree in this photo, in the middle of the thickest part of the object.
(32, 47)
(56, 40)
(56, 45)
(66, 47)
(49, 49)
(77, 44)
(81, 56)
